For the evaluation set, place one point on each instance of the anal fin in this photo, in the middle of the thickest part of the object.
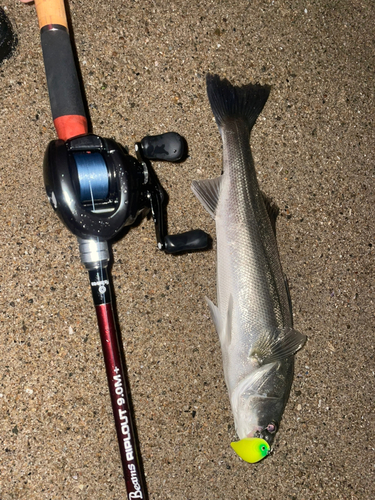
(207, 191)
(224, 330)
(215, 315)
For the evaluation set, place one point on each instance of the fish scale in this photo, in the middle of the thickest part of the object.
(241, 218)
(253, 317)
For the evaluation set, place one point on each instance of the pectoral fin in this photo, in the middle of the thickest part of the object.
(277, 345)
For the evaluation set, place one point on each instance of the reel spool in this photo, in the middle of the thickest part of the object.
(97, 188)
(93, 177)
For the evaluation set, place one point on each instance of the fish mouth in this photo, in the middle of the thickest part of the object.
(267, 433)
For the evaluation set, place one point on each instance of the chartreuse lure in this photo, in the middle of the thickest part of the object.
(251, 450)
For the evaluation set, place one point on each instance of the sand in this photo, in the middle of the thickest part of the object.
(143, 65)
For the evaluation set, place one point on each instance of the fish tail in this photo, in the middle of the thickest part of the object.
(229, 103)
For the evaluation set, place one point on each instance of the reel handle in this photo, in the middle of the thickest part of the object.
(183, 242)
(166, 147)
(186, 242)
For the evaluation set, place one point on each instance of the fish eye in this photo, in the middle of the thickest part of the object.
(271, 428)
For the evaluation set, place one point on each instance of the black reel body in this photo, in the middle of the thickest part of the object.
(93, 185)
(97, 188)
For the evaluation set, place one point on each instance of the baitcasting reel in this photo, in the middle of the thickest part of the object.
(97, 188)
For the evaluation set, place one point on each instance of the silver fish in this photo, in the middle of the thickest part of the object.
(253, 316)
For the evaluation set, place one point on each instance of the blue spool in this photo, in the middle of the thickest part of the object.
(92, 177)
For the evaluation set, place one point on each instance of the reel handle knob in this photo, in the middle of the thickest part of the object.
(167, 147)
(186, 242)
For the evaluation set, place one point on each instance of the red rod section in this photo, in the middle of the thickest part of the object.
(119, 391)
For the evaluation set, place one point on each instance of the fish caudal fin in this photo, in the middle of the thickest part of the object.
(229, 102)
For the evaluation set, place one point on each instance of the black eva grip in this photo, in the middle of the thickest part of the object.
(62, 78)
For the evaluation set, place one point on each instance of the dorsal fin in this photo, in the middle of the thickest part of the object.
(289, 297)
(272, 210)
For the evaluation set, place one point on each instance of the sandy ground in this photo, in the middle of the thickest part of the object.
(143, 65)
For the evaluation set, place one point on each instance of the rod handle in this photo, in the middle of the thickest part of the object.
(51, 12)
(67, 105)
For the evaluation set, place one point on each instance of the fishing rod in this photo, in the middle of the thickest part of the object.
(97, 188)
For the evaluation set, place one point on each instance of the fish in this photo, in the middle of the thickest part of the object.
(253, 316)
